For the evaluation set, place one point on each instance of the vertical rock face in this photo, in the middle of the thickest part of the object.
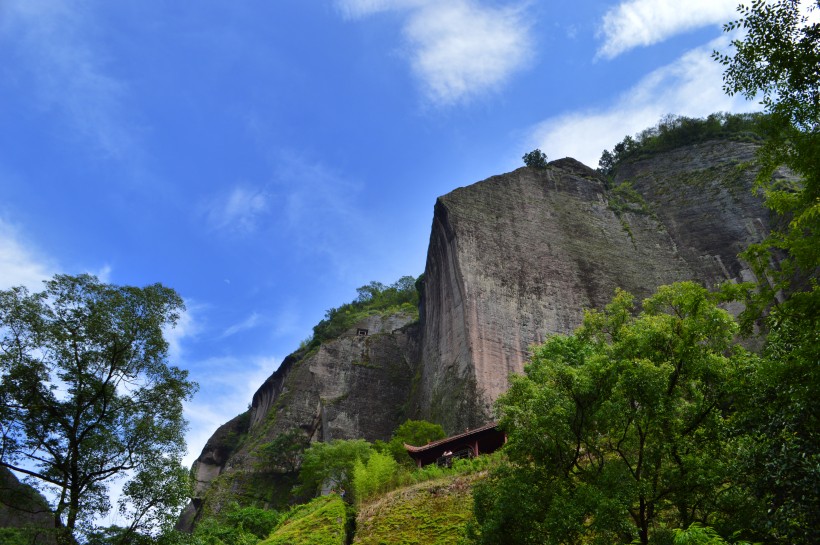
(356, 386)
(519, 256)
(702, 194)
(511, 260)
(23, 507)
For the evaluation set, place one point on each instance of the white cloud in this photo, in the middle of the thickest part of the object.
(634, 23)
(457, 49)
(319, 210)
(227, 386)
(691, 86)
(20, 263)
(104, 273)
(240, 211)
(68, 69)
(187, 327)
(249, 323)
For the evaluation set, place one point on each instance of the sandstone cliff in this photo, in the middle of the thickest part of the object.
(511, 260)
(355, 386)
(24, 509)
(519, 256)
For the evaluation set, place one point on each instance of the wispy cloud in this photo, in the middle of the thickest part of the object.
(691, 86)
(635, 23)
(249, 323)
(226, 383)
(68, 70)
(227, 386)
(239, 211)
(318, 209)
(20, 263)
(458, 49)
(187, 327)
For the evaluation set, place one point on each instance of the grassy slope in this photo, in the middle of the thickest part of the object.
(320, 522)
(430, 513)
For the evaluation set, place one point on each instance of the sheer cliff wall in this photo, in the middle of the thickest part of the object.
(511, 260)
(348, 388)
(519, 256)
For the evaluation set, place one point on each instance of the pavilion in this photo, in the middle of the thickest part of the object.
(483, 440)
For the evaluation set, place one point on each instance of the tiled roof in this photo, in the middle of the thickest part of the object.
(411, 448)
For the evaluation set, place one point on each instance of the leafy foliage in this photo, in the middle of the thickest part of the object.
(377, 475)
(778, 58)
(331, 464)
(373, 298)
(618, 433)
(675, 131)
(234, 525)
(697, 534)
(87, 396)
(284, 453)
(535, 159)
(412, 432)
(323, 521)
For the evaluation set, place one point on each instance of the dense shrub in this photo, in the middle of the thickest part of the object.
(535, 159)
(331, 464)
(376, 476)
(412, 432)
(675, 131)
(373, 298)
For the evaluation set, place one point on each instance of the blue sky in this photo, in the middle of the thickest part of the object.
(267, 158)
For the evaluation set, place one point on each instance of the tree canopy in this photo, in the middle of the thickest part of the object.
(87, 396)
(618, 433)
(777, 60)
(535, 159)
(412, 432)
(673, 131)
(373, 298)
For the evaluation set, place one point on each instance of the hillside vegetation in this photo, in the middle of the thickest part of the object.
(374, 298)
(674, 131)
(430, 513)
(322, 521)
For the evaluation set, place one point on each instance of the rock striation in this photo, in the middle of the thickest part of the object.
(356, 386)
(25, 509)
(519, 256)
(511, 260)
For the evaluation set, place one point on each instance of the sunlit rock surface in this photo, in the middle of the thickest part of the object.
(511, 260)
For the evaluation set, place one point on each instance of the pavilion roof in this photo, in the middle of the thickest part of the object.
(434, 444)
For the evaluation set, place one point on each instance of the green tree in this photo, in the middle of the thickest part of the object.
(373, 298)
(777, 59)
(535, 159)
(284, 453)
(376, 475)
(331, 464)
(619, 431)
(87, 396)
(413, 432)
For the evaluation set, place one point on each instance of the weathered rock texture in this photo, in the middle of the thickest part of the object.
(349, 388)
(511, 260)
(24, 508)
(519, 256)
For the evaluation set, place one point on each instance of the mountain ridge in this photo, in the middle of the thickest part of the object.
(511, 259)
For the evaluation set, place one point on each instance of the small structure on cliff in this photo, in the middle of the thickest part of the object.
(484, 440)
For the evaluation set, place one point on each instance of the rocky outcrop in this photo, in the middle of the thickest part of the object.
(511, 260)
(355, 386)
(23, 508)
(519, 256)
(702, 195)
